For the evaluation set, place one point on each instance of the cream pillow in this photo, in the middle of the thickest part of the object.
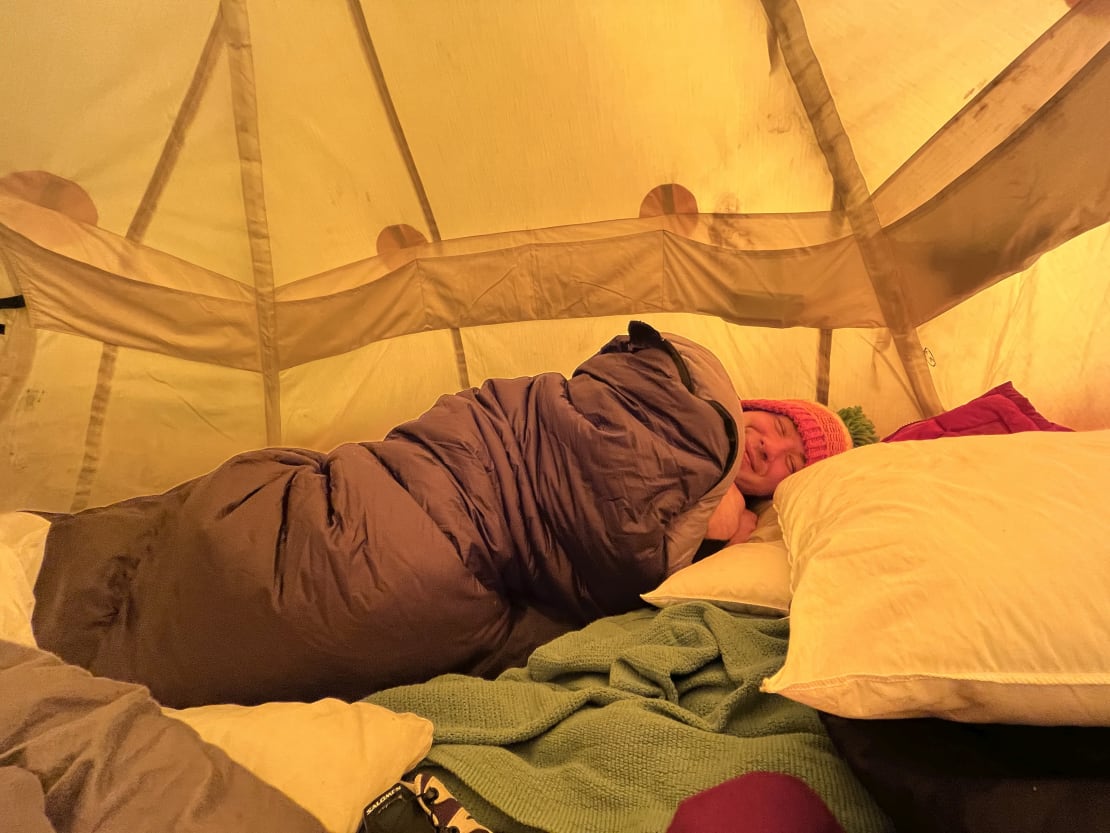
(965, 578)
(331, 757)
(744, 578)
(753, 577)
(22, 539)
(767, 529)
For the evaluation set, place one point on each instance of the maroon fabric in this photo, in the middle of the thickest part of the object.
(1001, 410)
(759, 802)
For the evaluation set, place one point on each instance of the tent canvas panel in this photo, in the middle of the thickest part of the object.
(237, 198)
(1046, 329)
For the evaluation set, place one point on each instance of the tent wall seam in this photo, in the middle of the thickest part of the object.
(94, 433)
(824, 365)
(136, 230)
(878, 259)
(460, 358)
(244, 97)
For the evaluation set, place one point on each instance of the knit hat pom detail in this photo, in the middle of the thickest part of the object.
(860, 427)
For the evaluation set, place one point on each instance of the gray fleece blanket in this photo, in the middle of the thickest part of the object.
(609, 727)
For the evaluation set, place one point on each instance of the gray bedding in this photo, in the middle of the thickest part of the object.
(80, 754)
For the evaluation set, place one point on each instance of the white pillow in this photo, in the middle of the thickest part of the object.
(965, 578)
(22, 540)
(753, 577)
(331, 757)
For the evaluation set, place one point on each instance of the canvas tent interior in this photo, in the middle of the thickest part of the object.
(248, 223)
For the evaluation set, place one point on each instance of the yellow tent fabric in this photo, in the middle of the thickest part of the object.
(239, 223)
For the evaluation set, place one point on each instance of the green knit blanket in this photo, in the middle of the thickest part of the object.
(609, 727)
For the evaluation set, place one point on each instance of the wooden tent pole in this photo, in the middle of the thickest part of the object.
(375, 66)
(878, 258)
(136, 231)
(244, 99)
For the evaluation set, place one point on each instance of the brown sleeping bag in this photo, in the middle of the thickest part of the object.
(503, 516)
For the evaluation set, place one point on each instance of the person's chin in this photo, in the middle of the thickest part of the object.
(749, 489)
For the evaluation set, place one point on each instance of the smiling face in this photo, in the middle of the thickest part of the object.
(772, 450)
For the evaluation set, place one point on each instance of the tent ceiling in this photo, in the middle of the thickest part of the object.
(899, 71)
(518, 115)
(269, 142)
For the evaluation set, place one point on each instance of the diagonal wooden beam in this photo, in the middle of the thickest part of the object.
(136, 230)
(878, 257)
(375, 66)
(175, 141)
(371, 55)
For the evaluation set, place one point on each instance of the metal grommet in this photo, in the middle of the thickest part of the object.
(929, 357)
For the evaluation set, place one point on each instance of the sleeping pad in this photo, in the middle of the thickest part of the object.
(503, 516)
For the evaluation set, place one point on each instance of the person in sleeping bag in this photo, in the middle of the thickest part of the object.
(503, 516)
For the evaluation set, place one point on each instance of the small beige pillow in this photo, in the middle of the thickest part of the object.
(743, 578)
(966, 578)
(753, 577)
(331, 757)
(767, 529)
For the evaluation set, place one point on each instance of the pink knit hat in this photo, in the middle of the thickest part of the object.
(823, 432)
